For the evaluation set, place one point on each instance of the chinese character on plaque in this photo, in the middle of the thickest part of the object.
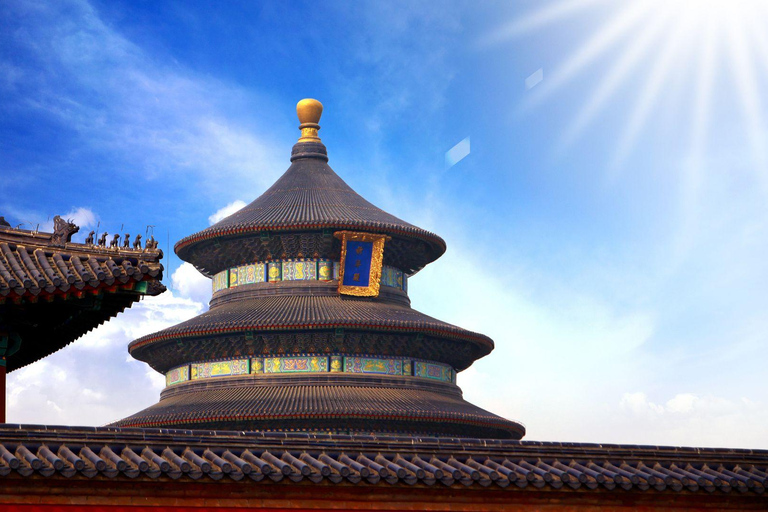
(361, 260)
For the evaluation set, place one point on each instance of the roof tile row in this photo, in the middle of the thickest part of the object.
(193, 455)
(376, 406)
(33, 270)
(310, 312)
(308, 196)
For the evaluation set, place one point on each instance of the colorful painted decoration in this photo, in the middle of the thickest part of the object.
(180, 374)
(324, 270)
(299, 270)
(361, 261)
(261, 272)
(294, 270)
(221, 281)
(373, 365)
(386, 276)
(274, 273)
(219, 369)
(251, 274)
(433, 371)
(308, 363)
(295, 364)
(391, 276)
(241, 275)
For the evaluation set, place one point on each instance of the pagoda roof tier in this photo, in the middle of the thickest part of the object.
(330, 402)
(309, 200)
(53, 291)
(248, 326)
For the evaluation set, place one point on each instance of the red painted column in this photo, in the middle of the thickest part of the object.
(2, 390)
(9, 345)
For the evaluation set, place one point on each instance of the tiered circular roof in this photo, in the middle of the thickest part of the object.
(300, 312)
(327, 402)
(217, 362)
(310, 196)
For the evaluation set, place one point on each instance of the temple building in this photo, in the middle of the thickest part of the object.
(311, 383)
(310, 320)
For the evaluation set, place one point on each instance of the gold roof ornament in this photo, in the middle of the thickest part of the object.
(309, 111)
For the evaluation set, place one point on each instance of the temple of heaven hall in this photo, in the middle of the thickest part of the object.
(310, 327)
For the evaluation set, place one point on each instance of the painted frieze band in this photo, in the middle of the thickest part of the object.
(296, 270)
(180, 374)
(219, 369)
(312, 363)
(298, 364)
(373, 365)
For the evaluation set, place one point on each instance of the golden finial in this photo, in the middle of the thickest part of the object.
(309, 112)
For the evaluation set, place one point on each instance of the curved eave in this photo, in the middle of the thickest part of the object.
(467, 335)
(67, 319)
(51, 294)
(310, 196)
(377, 404)
(185, 246)
(291, 313)
(189, 423)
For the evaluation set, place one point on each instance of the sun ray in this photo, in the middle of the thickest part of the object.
(760, 52)
(704, 84)
(692, 42)
(598, 44)
(746, 82)
(617, 75)
(693, 167)
(537, 19)
(650, 93)
(757, 34)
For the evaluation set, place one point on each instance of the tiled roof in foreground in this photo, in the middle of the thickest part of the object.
(260, 458)
(53, 291)
(31, 268)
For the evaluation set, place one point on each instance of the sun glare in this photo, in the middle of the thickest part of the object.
(664, 42)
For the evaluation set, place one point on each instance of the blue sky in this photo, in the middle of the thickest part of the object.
(607, 229)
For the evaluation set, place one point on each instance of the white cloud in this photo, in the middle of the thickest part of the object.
(83, 217)
(161, 120)
(637, 403)
(94, 381)
(562, 371)
(156, 380)
(689, 418)
(226, 211)
(681, 405)
(150, 315)
(551, 361)
(189, 283)
(32, 219)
